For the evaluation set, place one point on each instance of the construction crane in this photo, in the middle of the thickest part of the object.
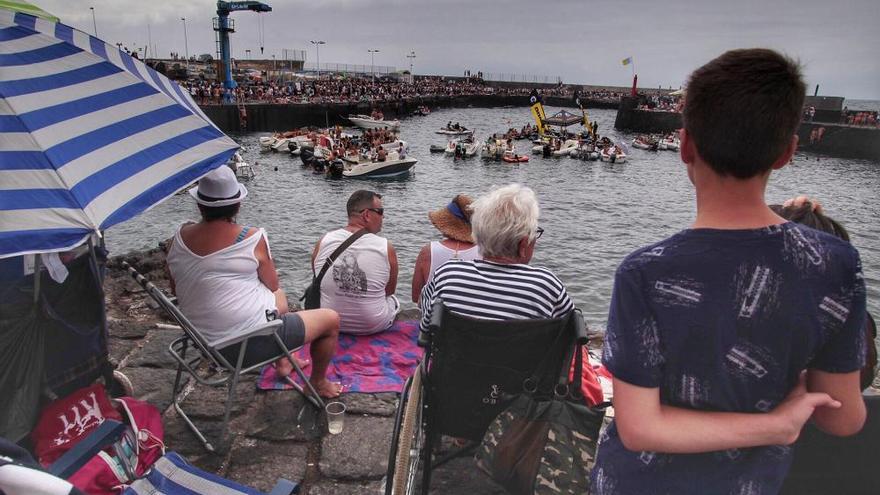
(223, 25)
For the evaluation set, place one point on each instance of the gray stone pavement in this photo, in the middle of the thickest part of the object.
(272, 434)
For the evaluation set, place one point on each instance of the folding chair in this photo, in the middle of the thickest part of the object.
(471, 369)
(210, 353)
(826, 464)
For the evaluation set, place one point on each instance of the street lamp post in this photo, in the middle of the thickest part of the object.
(185, 45)
(372, 62)
(318, 44)
(247, 52)
(94, 22)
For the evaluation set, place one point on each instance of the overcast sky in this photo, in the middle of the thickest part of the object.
(581, 41)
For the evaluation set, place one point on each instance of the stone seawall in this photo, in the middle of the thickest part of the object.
(839, 140)
(275, 117)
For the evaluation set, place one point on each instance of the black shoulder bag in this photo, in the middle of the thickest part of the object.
(312, 296)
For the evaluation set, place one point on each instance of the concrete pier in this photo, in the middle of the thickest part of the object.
(838, 140)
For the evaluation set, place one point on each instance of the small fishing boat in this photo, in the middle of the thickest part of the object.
(463, 147)
(367, 122)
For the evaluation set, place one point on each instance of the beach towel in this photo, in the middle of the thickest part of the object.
(364, 363)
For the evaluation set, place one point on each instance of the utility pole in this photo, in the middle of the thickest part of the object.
(411, 56)
(372, 62)
(185, 46)
(318, 44)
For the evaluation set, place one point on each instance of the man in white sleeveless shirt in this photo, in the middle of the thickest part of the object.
(361, 283)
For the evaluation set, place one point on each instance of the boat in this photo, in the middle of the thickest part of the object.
(462, 147)
(567, 147)
(242, 169)
(454, 132)
(436, 148)
(512, 157)
(645, 143)
(367, 122)
(297, 143)
(392, 167)
(669, 143)
(613, 154)
(266, 142)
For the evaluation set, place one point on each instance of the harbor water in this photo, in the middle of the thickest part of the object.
(593, 213)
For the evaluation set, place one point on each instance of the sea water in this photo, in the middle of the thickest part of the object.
(593, 213)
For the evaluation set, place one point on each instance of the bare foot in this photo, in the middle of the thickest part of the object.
(327, 389)
(283, 368)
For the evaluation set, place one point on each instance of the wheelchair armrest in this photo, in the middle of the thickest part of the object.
(267, 328)
(580, 328)
(424, 339)
(436, 316)
(108, 432)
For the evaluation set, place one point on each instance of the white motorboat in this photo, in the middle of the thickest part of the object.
(242, 169)
(613, 154)
(296, 143)
(367, 122)
(645, 143)
(454, 132)
(468, 148)
(567, 147)
(280, 144)
(671, 144)
(391, 167)
(266, 142)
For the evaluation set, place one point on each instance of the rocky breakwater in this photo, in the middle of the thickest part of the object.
(272, 435)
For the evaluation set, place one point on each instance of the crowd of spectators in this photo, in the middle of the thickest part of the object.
(352, 90)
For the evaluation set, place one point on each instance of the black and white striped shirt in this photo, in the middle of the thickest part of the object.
(495, 291)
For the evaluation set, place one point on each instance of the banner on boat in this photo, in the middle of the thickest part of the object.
(537, 107)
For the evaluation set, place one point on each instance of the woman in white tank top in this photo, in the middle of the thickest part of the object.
(453, 222)
(226, 284)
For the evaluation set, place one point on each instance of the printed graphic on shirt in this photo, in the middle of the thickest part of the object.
(603, 483)
(748, 487)
(834, 310)
(747, 360)
(729, 454)
(349, 277)
(756, 291)
(677, 292)
(691, 390)
(649, 340)
(802, 247)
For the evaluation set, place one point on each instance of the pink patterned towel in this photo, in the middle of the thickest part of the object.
(364, 363)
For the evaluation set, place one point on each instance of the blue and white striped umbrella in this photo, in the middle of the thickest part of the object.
(89, 136)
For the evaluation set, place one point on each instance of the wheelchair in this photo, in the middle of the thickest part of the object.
(472, 368)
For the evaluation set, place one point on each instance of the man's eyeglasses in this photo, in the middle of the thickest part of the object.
(538, 233)
(380, 211)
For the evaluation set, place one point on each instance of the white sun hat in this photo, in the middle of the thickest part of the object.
(219, 188)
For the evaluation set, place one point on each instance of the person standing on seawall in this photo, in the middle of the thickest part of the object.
(725, 338)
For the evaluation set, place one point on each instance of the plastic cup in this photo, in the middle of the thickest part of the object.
(335, 417)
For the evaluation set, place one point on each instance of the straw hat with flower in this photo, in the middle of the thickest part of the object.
(454, 221)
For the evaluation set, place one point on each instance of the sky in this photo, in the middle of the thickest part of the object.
(580, 41)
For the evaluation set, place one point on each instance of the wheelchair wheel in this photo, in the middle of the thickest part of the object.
(410, 439)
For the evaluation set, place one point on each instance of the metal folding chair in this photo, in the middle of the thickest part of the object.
(204, 352)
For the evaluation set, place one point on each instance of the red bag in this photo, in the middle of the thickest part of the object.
(64, 422)
(130, 458)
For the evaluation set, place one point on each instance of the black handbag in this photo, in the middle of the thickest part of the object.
(312, 297)
(544, 443)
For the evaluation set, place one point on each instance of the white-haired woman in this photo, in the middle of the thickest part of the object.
(502, 285)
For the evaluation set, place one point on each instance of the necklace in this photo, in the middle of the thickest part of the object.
(455, 255)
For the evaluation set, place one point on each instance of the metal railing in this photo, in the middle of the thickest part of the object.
(351, 68)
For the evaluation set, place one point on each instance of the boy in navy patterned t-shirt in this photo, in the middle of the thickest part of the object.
(710, 331)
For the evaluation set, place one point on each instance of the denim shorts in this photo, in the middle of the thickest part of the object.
(292, 333)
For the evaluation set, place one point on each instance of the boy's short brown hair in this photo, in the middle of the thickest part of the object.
(742, 109)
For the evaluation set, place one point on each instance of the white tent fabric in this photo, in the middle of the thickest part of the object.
(89, 136)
